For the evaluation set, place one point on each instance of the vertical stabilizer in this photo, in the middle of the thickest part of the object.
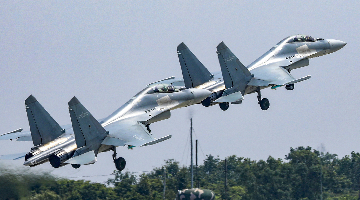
(194, 72)
(234, 73)
(42, 126)
(88, 131)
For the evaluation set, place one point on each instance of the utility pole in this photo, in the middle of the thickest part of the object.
(192, 167)
(196, 174)
(225, 178)
(164, 182)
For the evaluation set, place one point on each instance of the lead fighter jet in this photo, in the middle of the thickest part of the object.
(127, 126)
(270, 70)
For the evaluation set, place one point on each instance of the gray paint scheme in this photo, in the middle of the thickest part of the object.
(272, 69)
(42, 126)
(87, 130)
(193, 76)
(127, 126)
(235, 75)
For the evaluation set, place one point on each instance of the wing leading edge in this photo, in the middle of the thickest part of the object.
(130, 133)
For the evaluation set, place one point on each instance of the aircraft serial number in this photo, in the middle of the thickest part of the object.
(289, 57)
(149, 110)
(152, 109)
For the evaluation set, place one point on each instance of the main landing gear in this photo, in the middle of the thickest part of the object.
(264, 103)
(224, 106)
(120, 162)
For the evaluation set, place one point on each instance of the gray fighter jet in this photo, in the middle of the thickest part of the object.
(270, 70)
(127, 126)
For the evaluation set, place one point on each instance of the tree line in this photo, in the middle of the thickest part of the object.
(304, 174)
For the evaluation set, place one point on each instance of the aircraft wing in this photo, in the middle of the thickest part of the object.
(273, 74)
(131, 133)
(17, 135)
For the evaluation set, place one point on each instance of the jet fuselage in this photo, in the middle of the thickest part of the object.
(147, 107)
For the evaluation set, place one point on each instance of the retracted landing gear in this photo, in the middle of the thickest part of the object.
(148, 127)
(120, 162)
(75, 166)
(290, 87)
(264, 103)
(224, 106)
(206, 102)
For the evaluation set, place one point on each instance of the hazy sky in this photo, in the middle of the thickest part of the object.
(105, 52)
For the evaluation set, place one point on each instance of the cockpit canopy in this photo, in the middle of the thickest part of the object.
(164, 88)
(302, 38)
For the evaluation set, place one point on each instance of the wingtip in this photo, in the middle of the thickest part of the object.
(31, 99)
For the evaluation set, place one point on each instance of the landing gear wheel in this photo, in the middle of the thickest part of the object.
(290, 87)
(75, 166)
(120, 163)
(224, 106)
(206, 102)
(264, 104)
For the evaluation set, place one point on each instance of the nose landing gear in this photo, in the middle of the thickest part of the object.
(120, 162)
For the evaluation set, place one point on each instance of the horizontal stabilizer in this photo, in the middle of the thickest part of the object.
(88, 131)
(234, 97)
(299, 80)
(17, 135)
(234, 73)
(16, 156)
(42, 126)
(83, 159)
(194, 72)
(24, 138)
(157, 140)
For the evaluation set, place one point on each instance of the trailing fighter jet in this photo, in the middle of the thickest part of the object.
(86, 138)
(270, 70)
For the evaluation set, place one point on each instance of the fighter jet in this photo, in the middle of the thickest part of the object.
(270, 70)
(80, 143)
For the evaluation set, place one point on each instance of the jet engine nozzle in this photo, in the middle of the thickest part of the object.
(34, 151)
(58, 158)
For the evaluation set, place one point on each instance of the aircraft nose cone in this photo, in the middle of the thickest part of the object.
(200, 94)
(336, 44)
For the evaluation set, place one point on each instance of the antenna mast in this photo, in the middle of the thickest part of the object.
(192, 167)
